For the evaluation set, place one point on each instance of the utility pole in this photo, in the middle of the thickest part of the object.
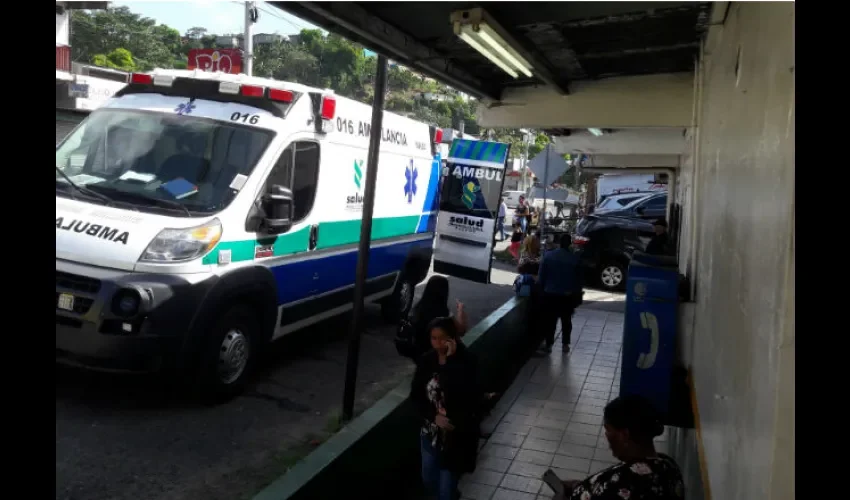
(526, 135)
(251, 16)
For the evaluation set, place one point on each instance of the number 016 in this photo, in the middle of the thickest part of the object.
(245, 118)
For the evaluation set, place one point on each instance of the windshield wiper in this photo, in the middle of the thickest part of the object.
(153, 199)
(83, 189)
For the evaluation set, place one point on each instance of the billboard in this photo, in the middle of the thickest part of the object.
(224, 60)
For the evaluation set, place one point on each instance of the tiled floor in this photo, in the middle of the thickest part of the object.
(552, 415)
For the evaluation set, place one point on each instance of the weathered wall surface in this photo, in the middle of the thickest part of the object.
(739, 336)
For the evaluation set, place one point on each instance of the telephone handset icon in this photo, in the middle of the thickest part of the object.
(647, 359)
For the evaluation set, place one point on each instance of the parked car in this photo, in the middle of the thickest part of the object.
(607, 244)
(618, 201)
(649, 207)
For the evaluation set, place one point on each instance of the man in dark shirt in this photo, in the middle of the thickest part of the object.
(660, 243)
(560, 280)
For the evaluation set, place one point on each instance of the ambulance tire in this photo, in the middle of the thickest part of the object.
(399, 304)
(228, 355)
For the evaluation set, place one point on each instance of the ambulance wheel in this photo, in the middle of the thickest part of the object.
(228, 355)
(399, 304)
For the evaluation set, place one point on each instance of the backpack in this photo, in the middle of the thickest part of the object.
(523, 285)
(405, 339)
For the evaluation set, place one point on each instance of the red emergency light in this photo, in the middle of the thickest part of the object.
(141, 79)
(281, 95)
(252, 90)
(328, 109)
(438, 136)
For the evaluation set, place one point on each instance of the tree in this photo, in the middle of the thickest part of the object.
(117, 59)
(101, 32)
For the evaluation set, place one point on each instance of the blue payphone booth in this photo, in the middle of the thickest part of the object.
(650, 328)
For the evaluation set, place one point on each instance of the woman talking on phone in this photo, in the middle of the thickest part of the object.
(445, 393)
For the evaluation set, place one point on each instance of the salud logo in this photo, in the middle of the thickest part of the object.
(358, 173)
(354, 201)
(410, 175)
(470, 192)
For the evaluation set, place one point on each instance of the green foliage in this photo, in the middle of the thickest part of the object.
(117, 59)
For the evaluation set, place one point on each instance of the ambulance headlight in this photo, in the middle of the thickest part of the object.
(180, 245)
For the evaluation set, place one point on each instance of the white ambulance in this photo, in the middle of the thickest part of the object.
(200, 216)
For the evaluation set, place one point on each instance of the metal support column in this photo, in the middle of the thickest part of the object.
(353, 359)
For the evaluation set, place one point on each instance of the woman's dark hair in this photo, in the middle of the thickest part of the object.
(445, 324)
(635, 414)
(435, 299)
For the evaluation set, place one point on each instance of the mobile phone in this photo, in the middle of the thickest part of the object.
(551, 479)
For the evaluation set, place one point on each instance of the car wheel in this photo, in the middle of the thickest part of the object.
(228, 355)
(399, 304)
(612, 276)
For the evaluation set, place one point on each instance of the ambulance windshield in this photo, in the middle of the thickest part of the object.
(138, 157)
(473, 191)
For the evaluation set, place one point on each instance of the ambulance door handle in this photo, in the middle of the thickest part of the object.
(314, 236)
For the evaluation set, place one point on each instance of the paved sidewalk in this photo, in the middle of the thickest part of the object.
(552, 415)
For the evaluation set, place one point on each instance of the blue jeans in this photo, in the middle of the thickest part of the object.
(522, 222)
(436, 480)
(501, 226)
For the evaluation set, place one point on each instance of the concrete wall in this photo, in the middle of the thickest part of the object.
(737, 191)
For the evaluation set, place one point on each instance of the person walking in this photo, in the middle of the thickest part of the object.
(445, 393)
(630, 424)
(500, 222)
(560, 281)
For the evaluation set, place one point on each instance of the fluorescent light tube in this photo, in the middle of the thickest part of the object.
(491, 38)
(486, 53)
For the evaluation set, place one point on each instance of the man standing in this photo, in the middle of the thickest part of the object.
(660, 243)
(500, 222)
(559, 278)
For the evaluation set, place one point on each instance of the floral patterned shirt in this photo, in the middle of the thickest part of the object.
(437, 399)
(649, 479)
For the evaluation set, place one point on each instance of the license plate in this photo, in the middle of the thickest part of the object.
(66, 302)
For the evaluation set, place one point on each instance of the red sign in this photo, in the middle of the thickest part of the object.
(224, 60)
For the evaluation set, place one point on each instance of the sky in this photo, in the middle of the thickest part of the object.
(217, 16)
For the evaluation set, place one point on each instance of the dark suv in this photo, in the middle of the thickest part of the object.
(607, 244)
(651, 207)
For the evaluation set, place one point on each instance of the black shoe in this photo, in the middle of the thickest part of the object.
(565, 349)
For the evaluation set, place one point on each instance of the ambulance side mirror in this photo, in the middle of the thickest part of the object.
(277, 205)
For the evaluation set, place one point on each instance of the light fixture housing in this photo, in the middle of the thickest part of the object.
(483, 34)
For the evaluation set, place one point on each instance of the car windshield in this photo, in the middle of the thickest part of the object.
(158, 162)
